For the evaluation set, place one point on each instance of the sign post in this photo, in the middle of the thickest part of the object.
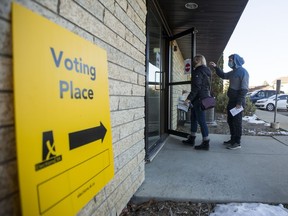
(275, 124)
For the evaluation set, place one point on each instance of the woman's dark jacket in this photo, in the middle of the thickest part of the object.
(200, 83)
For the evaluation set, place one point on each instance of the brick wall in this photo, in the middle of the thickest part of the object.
(118, 26)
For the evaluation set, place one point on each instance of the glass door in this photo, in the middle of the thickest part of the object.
(154, 84)
(179, 83)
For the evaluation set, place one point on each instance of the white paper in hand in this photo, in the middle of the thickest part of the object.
(183, 106)
(235, 111)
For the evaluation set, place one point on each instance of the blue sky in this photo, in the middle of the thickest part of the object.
(261, 38)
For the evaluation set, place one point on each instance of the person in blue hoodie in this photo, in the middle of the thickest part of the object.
(238, 88)
(200, 89)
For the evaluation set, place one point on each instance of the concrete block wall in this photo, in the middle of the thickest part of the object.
(118, 26)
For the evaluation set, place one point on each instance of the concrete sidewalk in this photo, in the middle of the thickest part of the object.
(255, 173)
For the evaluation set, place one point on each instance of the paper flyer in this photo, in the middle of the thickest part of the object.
(235, 111)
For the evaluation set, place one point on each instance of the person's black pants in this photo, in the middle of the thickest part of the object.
(235, 123)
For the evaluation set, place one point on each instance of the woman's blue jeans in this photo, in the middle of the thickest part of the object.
(198, 117)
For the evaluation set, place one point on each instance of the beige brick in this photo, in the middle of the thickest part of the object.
(90, 209)
(139, 8)
(125, 116)
(104, 209)
(115, 134)
(94, 7)
(141, 80)
(126, 102)
(119, 88)
(121, 73)
(123, 4)
(128, 129)
(124, 158)
(122, 174)
(124, 144)
(119, 192)
(143, 7)
(5, 39)
(131, 102)
(130, 49)
(113, 23)
(5, 73)
(139, 68)
(7, 144)
(138, 90)
(141, 167)
(80, 17)
(10, 206)
(6, 109)
(132, 39)
(124, 199)
(120, 58)
(5, 9)
(94, 204)
(51, 4)
(109, 4)
(114, 103)
(8, 179)
(129, 24)
(132, 13)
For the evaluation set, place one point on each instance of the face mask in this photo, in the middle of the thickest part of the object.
(230, 64)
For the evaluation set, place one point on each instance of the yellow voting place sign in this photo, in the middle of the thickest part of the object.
(62, 114)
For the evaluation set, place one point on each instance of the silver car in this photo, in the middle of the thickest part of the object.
(269, 103)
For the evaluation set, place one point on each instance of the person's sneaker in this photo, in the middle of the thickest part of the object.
(234, 146)
(229, 142)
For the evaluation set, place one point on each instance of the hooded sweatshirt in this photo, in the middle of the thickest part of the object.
(200, 83)
(238, 80)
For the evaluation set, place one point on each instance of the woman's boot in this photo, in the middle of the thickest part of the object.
(204, 145)
(190, 141)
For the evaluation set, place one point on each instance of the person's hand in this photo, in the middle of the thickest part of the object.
(212, 64)
(238, 106)
(187, 102)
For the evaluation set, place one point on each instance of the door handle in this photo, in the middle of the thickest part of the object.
(161, 84)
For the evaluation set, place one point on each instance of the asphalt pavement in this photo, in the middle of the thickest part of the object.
(255, 173)
(272, 117)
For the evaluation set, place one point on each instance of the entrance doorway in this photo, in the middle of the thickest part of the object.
(155, 89)
(167, 78)
(182, 50)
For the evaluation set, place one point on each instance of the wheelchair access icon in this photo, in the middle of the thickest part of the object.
(49, 154)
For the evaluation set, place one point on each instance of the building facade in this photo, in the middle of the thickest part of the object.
(148, 49)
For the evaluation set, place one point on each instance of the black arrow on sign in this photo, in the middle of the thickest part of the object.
(83, 137)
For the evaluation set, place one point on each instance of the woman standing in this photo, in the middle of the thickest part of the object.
(201, 76)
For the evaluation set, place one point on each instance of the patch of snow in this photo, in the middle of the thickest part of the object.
(283, 132)
(253, 119)
(249, 209)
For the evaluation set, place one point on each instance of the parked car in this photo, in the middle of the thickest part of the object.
(269, 103)
(261, 94)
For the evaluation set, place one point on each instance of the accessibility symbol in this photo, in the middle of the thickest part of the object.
(49, 150)
(49, 154)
